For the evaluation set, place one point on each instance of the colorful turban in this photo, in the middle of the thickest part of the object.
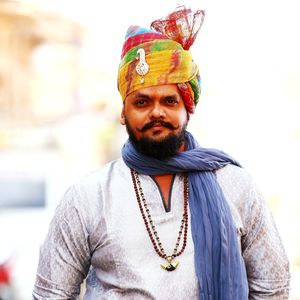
(161, 56)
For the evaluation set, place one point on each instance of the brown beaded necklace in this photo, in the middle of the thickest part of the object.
(151, 228)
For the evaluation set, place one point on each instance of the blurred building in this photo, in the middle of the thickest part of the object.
(24, 33)
(55, 126)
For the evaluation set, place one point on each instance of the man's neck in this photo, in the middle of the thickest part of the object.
(165, 182)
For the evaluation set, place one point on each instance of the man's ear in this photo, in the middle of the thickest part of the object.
(122, 119)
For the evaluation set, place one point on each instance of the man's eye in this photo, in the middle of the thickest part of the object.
(141, 102)
(171, 101)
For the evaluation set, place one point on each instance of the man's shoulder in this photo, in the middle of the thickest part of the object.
(237, 184)
(99, 176)
(235, 175)
(86, 194)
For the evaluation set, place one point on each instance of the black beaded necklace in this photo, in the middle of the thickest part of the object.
(151, 227)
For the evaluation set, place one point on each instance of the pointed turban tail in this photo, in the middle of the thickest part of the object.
(162, 56)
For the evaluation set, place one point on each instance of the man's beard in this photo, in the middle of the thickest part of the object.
(162, 149)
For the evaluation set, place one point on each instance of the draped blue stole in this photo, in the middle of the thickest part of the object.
(218, 263)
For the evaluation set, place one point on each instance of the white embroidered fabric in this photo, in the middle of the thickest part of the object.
(98, 232)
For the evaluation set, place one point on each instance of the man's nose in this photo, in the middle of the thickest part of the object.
(157, 112)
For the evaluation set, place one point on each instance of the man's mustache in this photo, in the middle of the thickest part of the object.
(162, 123)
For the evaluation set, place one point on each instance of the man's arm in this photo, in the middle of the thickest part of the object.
(65, 255)
(264, 255)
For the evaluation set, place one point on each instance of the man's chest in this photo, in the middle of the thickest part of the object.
(126, 254)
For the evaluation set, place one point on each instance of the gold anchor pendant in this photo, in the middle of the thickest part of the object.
(170, 266)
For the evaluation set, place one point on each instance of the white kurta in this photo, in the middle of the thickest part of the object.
(98, 232)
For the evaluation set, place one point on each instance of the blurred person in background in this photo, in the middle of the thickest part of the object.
(169, 219)
(5, 281)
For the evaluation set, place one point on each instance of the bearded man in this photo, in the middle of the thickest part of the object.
(168, 220)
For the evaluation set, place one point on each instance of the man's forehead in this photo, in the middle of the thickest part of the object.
(156, 91)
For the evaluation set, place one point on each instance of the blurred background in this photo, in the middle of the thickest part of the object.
(59, 108)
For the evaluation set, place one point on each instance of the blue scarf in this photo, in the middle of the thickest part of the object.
(219, 266)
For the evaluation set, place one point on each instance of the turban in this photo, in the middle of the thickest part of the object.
(161, 55)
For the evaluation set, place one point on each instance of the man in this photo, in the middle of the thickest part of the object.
(169, 220)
